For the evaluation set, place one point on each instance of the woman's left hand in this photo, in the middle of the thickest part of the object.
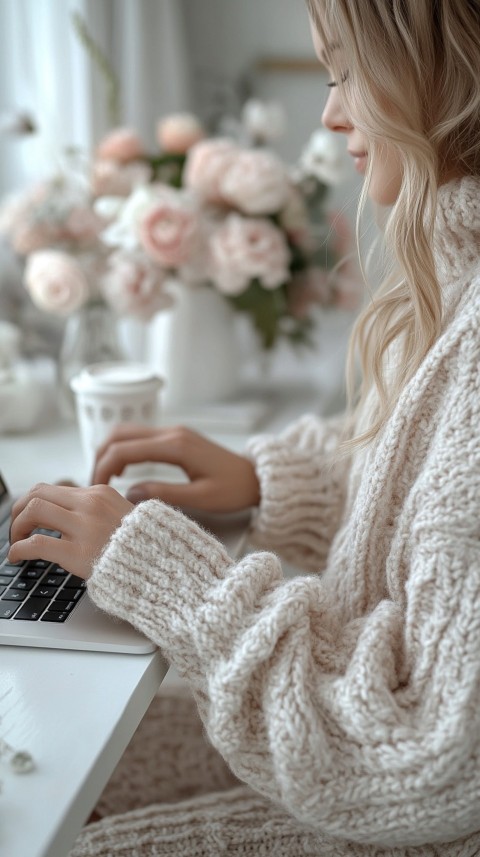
(86, 518)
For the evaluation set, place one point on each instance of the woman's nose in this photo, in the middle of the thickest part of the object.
(334, 117)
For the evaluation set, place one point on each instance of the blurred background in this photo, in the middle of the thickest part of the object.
(207, 58)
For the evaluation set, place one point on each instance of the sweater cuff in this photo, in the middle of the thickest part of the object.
(301, 502)
(156, 570)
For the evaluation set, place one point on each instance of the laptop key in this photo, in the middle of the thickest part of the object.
(62, 606)
(40, 564)
(32, 609)
(57, 569)
(55, 534)
(51, 616)
(26, 585)
(53, 580)
(7, 609)
(14, 595)
(31, 574)
(45, 591)
(74, 582)
(70, 595)
(9, 570)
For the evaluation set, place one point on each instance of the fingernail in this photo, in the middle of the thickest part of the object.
(134, 495)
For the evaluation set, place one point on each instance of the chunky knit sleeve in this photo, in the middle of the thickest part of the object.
(302, 491)
(353, 698)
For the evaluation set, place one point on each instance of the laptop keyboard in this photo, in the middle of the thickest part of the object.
(36, 590)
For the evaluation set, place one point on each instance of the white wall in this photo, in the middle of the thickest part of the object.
(226, 38)
(46, 71)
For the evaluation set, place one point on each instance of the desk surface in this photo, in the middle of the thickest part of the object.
(75, 712)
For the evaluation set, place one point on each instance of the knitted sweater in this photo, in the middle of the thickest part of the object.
(349, 695)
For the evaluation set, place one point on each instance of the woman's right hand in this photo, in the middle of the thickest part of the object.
(219, 480)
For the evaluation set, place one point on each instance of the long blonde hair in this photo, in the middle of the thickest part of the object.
(411, 80)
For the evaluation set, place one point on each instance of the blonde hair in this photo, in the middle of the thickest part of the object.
(412, 82)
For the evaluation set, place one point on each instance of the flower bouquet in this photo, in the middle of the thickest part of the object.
(226, 211)
(54, 228)
(220, 211)
(123, 229)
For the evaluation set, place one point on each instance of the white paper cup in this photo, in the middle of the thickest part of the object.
(108, 394)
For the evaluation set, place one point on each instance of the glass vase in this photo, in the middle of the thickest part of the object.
(90, 336)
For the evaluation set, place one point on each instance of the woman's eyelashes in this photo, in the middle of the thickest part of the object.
(343, 78)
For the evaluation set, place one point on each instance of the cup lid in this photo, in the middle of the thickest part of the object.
(115, 377)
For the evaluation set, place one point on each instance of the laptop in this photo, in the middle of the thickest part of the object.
(42, 605)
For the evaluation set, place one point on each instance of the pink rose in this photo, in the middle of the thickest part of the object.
(206, 165)
(179, 132)
(169, 231)
(111, 178)
(255, 182)
(244, 249)
(18, 221)
(29, 237)
(121, 145)
(17, 206)
(134, 285)
(80, 226)
(56, 282)
(83, 225)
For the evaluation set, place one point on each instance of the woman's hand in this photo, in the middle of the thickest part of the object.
(86, 518)
(220, 480)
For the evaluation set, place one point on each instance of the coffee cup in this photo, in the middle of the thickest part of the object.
(110, 394)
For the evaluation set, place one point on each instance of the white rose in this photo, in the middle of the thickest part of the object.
(134, 285)
(125, 215)
(263, 121)
(56, 282)
(324, 158)
(256, 182)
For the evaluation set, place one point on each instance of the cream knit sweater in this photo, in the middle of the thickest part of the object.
(350, 696)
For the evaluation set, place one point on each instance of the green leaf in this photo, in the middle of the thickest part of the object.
(268, 310)
(167, 168)
(266, 307)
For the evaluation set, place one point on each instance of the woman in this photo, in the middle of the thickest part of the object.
(346, 701)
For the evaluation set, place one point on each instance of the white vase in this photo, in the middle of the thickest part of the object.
(193, 346)
(131, 336)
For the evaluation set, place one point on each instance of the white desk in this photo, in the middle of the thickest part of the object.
(74, 711)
